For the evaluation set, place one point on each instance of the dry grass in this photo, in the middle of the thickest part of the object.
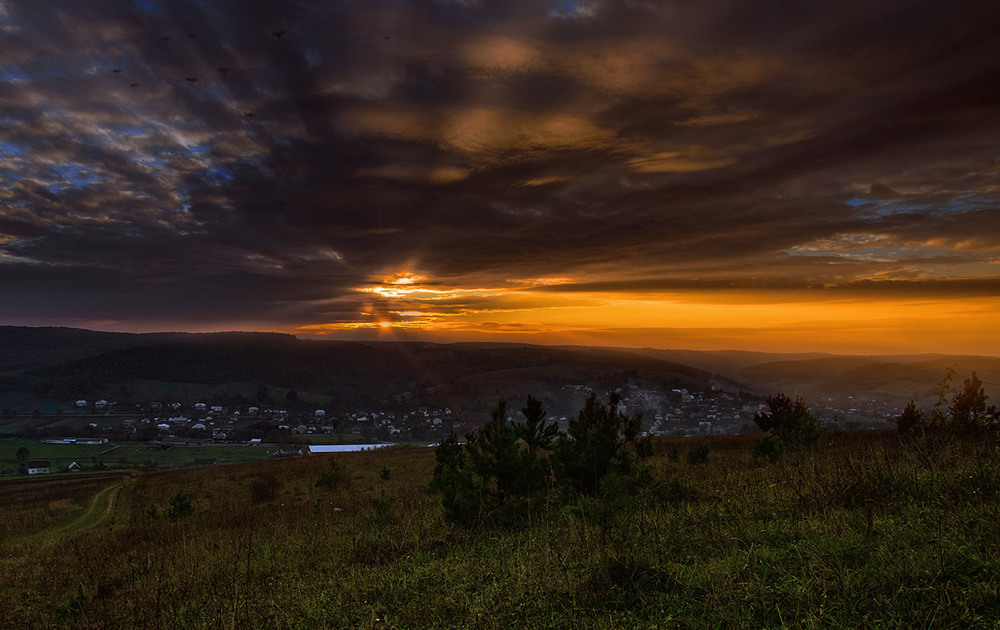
(862, 533)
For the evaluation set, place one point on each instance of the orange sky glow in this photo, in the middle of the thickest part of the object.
(720, 174)
(406, 307)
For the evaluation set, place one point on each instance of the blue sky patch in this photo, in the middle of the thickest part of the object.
(146, 5)
(11, 149)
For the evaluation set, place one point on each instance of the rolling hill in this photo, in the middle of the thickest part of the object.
(56, 365)
(340, 375)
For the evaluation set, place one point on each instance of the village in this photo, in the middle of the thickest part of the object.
(676, 412)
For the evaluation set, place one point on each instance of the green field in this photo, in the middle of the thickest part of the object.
(869, 531)
(121, 455)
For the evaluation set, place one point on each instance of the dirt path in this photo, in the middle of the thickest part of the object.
(100, 509)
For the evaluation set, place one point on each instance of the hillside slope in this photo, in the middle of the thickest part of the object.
(340, 374)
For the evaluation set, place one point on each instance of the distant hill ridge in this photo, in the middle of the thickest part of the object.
(56, 362)
(24, 346)
(60, 364)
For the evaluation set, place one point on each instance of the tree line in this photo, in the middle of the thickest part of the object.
(502, 471)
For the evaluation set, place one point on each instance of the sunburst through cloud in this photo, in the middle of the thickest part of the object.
(677, 175)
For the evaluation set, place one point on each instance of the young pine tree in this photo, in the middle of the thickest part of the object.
(790, 420)
(596, 444)
(911, 420)
(501, 462)
(968, 408)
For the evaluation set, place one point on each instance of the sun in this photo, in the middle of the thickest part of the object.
(385, 324)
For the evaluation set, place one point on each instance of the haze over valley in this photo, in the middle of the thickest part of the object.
(211, 387)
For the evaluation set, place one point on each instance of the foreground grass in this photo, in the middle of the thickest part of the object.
(866, 532)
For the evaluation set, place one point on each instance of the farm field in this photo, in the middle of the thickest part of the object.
(121, 455)
(870, 530)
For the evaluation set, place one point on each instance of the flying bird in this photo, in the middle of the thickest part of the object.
(191, 35)
(249, 114)
(278, 34)
(385, 37)
(191, 79)
(223, 70)
(133, 84)
(116, 71)
(166, 39)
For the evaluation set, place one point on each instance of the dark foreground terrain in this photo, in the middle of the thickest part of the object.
(867, 530)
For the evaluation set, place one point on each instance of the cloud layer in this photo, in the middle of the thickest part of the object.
(193, 164)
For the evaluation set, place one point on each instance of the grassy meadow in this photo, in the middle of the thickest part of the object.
(869, 531)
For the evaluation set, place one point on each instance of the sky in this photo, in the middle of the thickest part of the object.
(790, 175)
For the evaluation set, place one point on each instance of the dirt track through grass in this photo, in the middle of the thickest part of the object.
(100, 508)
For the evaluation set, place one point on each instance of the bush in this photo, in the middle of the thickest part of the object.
(596, 444)
(179, 506)
(503, 468)
(499, 468)
(911, 420)
(770, 447)
(496, 457)
(334, 477)
(968, 408)
(791, 421)
(968, 411)
(264, 489)
(699, 454)
(461, 494)
(674, 455)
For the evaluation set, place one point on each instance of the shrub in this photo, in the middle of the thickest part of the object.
(495, 456)
(968, 408)
(334, 477)
(968, 411)
(596, 444)
(537, 435)
(500, 461)
(911, 420)
(675, 454)
(179, 506)
(699, 454)
(264, 489)
(789, 420)
(461, 495)
(770, 447)
(503, 468)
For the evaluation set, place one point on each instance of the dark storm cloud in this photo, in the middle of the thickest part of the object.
(280, 156)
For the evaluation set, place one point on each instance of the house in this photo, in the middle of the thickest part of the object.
(74, 467)
(286, 450)
(38, 466)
